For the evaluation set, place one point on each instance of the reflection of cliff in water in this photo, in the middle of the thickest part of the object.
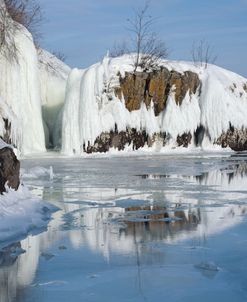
(145, 208)
(232, 172)
(156, 223)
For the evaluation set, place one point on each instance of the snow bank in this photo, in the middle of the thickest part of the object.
(91, 106)
(21, 213)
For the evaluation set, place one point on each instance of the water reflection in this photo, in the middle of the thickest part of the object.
(8, 269)
(127, 219)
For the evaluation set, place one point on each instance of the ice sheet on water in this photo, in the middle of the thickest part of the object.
(38, 171)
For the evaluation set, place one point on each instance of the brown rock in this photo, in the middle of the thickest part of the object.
(234, 138)
(140, 87)
(9, 169)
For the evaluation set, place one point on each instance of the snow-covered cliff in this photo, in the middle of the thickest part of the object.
(101, 112)
(19, 88)
(31, 79)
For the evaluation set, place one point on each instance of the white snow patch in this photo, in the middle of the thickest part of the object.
(21, 213)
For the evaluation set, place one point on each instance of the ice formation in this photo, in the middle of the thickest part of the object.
(19, 88)
(53, 78)
(32, 90)
(91, 106)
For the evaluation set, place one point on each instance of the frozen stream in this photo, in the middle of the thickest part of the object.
(135, 228)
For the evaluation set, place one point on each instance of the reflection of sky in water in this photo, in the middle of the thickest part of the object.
(128, 212)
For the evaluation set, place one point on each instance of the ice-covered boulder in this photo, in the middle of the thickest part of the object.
(9, 168)
(180, 104)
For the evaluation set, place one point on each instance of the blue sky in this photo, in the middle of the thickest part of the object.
(85, 29)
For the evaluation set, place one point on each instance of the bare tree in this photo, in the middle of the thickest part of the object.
(148, 48)
(28, 13)
(25, 12)
(7, 32)
(202, 54)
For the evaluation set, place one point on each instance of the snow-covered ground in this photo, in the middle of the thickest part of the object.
(134, 229)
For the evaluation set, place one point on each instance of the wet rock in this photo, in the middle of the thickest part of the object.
(234, 138)
(9, 169)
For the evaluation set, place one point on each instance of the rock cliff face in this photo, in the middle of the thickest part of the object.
(156, 86)
(9, 169)
(146, 87)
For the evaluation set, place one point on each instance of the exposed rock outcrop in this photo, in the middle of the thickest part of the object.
(137, 139)
(119, 140)
(141, 87)
(9, 169)
(234, 138)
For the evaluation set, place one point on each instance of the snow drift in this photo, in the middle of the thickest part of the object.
(92, 106)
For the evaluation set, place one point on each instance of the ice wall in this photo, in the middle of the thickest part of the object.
(91, 106)
(20, 90)
(53, 79)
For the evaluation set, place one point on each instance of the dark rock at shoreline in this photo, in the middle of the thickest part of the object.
(9, 169)
(234, 138)
(138, 139)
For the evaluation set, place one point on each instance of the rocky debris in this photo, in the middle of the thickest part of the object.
(234, 138)
(9, 169)
(156, 86)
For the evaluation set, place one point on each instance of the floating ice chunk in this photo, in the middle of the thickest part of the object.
(209, 266)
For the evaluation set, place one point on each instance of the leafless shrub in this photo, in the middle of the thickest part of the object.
(202, 54)
(148, 47)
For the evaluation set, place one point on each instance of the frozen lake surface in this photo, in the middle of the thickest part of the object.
(141, 228)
